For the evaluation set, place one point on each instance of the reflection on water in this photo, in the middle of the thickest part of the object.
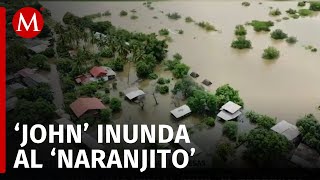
(286, 88)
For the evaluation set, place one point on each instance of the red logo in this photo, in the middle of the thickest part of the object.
(27, 22)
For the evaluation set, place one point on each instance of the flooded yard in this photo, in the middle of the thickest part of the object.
(286, 88)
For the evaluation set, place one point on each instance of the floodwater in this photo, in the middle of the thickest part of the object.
(287, 88)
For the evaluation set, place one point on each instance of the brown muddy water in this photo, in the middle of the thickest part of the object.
(286, 88)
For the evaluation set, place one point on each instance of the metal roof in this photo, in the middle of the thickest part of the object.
(231, 107)
(225, 115)
(82, 105)
(306, 157)
(133, 92)
(290, 131)
(181, 111)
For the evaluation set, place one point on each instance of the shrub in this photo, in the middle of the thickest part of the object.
(180, 70)
(240, 30)
(291, 11)
(39, 61)
(49, 52)
(162, 89)
(315, 6)
(180, 31)
(107, 53)
(314, 50)
(291, 40)
(115, 104)
(188, 19)
(271, 53)
(278, 34)
(177, 56)
(230, 130)
(241, 43)
(252, 116)
(210, 121)
(174, 16)
(152, 76)
(105, 99)
(105, 115)
(163, 32)
(275, 12)
(266, 121)
(261, 25)
(302, 3)
(123, 13)
(310, 131)
(295, 16)
(245, 4)
(163, 81)
(225, 150)
(107, 13)
(207, 26)
(305, 12)
(134, 17)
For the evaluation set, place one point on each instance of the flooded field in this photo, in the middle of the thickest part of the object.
(287, 88)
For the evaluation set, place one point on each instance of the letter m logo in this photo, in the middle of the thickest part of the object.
(27, 22)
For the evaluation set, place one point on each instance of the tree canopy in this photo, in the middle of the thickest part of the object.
(226, 93)
(310, 130)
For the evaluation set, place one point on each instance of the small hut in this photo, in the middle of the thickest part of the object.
(206, 82)
(194, 74)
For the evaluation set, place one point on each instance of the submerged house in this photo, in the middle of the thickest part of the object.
(34, 80)
(133, 93)
(98, 72)
(181, 111)
(290, 131)
(86, 106)
(229, 111)
(306, 157)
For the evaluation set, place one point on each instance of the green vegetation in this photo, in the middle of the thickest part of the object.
(163, 32)
(163, 81)
(180, 70)
(180, 31)
(188, 19)
(33, 93)
(271, 53)
(225, 150)
(177, 56)
(245, 4)
(314, 5)
(305, 12)
(174, 16)
(261, 25)
(206, 26)
(310, 131)
(301, 4)
(162, 89)
(134, 17)
(264, 146)
(115, 104)
(295, 16)
(226, 93)
(107, 13)
(311, 48)
(291, 40)
(210, 121)
(278, 34)
(230, 129)
(201, 101)
(240, 30)
(49, 52)
(123, 13)
(291, 11)
(186, 86)
(241, 43)
(262, 121)
(39, 61)
(275, 12)
(107, 53)
(105, 115)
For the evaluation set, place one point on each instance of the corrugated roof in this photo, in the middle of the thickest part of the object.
(290, 131)
(98, 71)
(133, 92)
(225, 115)
(82, 105)
(25, 72)
(231, 107)
(181, 111)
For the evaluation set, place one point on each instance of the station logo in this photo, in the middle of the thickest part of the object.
(27, 22)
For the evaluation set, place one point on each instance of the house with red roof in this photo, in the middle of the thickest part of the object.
(86, 106)
(98, 71)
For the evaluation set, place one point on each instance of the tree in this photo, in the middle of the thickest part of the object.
(163, 32)
(271, 53)
(32, 112)
(314, 6)
(201, 101)
(180, 70)
(241, 43)
(88, 89)
(17, 56)
(261, 25)
(42, 91)
(225, 150)
(39, 61)
(310, 130)
(230, 129)
(115, 104)
(210, 121)
(291, 40)
(68, 84)
(240, 30)
(123, 13)
(105, 115)
(49, 52)
(264, 145)
(226, 93)
(278, 34)
(64, 65)
(143, 69)
(186, 86)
